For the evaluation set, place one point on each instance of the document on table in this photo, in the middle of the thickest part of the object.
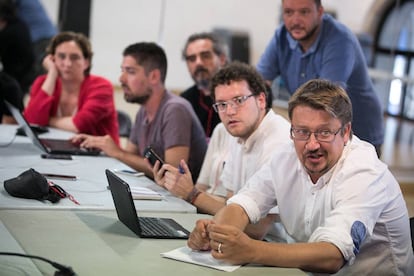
(203, 258)
(144, 193)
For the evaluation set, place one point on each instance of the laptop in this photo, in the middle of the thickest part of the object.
(51, 146)
(144, 227)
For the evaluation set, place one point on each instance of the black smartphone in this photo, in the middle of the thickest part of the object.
(56, 156)
(150, 154)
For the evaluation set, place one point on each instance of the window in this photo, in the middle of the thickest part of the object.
(394, 53)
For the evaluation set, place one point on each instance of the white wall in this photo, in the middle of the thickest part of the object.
(116, 24)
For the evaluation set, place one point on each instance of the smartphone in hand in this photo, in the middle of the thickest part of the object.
(152, 156)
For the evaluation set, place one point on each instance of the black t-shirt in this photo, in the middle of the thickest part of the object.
(10, 91)
(202, 106)
(16, 53)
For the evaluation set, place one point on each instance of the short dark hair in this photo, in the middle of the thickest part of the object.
(80, 39)
(218, 46)
(150, 56)
(238, 71)
(317, 2)
(323, 95)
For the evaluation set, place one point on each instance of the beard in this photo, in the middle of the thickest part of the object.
(130, 98)
(202, 78)
(242, 131)
(309, 34)
(316, 168)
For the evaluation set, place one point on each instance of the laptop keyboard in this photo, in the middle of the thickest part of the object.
(67, 146)
(59, 144)
(155, 227)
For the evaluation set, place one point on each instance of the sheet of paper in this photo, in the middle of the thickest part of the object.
(203, 258)
(145, 193)
(127, 171)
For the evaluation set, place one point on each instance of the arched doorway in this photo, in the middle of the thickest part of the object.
(393, 56)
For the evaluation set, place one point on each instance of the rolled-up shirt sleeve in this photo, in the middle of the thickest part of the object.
(248, 204)
(257, 197)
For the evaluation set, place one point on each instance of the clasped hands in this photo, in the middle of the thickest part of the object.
(226, 242)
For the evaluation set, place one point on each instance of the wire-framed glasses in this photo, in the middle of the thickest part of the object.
(323, 135)
(234, 103)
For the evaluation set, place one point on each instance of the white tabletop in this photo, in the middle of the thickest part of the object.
(90, 188)
(96, 243)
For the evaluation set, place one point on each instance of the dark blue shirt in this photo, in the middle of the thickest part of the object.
(34, 15)
(336, 55)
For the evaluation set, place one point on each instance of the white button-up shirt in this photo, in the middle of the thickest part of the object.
(247, 157)
(357, 206)
(214, 161)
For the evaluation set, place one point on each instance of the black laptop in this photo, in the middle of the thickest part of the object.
(144, 227)
(51, 146)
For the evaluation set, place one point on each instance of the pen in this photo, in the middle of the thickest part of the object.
(60, 176)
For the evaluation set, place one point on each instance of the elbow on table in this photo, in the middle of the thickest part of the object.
(331, 266)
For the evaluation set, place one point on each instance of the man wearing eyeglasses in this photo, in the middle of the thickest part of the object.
(337, 200)
(241, 101)
(204, 55)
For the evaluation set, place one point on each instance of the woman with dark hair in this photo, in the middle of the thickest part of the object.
(68, 97)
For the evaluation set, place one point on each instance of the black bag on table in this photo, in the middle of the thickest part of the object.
(33, 185)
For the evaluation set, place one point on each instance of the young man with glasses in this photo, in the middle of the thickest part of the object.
(204, 55)
(337, 200)
(241, 100)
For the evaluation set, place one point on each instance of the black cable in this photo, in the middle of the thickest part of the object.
(62, 270)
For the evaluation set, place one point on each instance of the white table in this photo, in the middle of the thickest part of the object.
(96, 243)
(90, 189)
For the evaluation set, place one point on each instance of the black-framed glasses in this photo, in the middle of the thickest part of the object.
(324, 135)
(234, 103)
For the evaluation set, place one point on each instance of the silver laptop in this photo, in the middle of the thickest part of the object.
(51, 146)
(144, 227)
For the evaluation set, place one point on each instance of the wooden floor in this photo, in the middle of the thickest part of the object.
(397, 151)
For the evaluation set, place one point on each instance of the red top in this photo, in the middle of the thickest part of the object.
(96, 114)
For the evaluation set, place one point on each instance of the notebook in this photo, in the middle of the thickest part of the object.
(51, 146)
(144, 227)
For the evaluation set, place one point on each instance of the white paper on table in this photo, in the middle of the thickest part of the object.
(203, 258)
(144, 193)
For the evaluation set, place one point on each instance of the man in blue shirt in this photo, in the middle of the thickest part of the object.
(311, 44)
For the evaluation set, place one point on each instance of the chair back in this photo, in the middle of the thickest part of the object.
(125, 123)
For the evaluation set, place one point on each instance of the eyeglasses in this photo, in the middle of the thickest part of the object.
(320, 135)
(234, 103)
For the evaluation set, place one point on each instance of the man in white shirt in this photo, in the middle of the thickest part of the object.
(242, 102)
(337, 200)
(209, 179)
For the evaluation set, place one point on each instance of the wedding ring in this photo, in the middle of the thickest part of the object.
(219, 248)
